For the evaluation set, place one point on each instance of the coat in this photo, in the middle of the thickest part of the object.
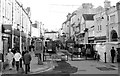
(27, 58)
(112, 52)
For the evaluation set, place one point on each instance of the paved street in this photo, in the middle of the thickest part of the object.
(71, 68)
(34, 67)
(83, 66)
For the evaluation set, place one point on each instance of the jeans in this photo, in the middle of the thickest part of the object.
(27, 68)
(17, 65)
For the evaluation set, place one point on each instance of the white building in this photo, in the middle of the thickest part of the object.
(51, 35)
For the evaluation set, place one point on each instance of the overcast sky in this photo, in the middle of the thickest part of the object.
(52, 13)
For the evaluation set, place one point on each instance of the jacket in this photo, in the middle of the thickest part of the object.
(17, 56)
(27, 58)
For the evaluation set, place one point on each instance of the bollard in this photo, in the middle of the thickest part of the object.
(43, 57)
(105, 57)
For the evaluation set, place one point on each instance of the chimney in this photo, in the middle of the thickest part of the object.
(107, 4)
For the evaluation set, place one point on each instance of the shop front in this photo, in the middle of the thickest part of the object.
(100, 46)
(81, 38)
(6, 38)
(16, 39)
(23, 43)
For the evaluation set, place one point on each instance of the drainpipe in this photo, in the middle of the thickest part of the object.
(12, 25)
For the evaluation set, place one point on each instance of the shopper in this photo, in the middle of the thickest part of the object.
(27, 58)
(112, 54)
(17, 58)
(9, 57)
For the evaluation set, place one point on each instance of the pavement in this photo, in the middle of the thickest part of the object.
(79, 66)
(93, 66)
(34, 67)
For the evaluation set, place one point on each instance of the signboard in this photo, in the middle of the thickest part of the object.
(7, 29)
(38, 47)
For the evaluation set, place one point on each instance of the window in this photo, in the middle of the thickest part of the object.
(100, 27)
(112, 19)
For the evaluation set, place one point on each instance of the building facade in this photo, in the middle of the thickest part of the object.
(99, 26)
(15, 26)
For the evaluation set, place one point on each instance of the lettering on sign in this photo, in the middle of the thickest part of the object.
(7, 30)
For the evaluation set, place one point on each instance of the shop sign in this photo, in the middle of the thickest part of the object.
(91, 38)
(7, 29)
(100, 38)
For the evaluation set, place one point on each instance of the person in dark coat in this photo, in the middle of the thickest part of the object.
(112, 54)
(27, 58)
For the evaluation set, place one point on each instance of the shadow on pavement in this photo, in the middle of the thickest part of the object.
(64, 67)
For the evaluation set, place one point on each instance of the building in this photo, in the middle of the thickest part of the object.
(106, 31)
(16, 26)
(53, 35)
(98, 26)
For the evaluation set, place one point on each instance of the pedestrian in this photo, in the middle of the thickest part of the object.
(113, 52)
(17, 58)
(13, 62)
(9, 57)
(27, 58)
(23, 53)
(79, 50)
(87, 53)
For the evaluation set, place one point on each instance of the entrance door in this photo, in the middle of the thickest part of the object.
(5, 47)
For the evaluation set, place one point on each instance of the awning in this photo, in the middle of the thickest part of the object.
(100, 38)
(112, 43)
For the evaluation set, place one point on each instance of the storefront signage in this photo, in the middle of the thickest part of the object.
(91, 38)
(100, 38)
(7, 29)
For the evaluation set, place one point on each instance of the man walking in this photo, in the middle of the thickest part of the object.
(112, 54)
(17, 58)
(27, 58)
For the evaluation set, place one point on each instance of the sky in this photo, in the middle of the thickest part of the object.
(52, 13)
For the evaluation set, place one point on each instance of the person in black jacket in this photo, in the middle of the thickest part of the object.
(27, 58)
(112, 54)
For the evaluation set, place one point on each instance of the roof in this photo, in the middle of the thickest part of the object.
(88, 16)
